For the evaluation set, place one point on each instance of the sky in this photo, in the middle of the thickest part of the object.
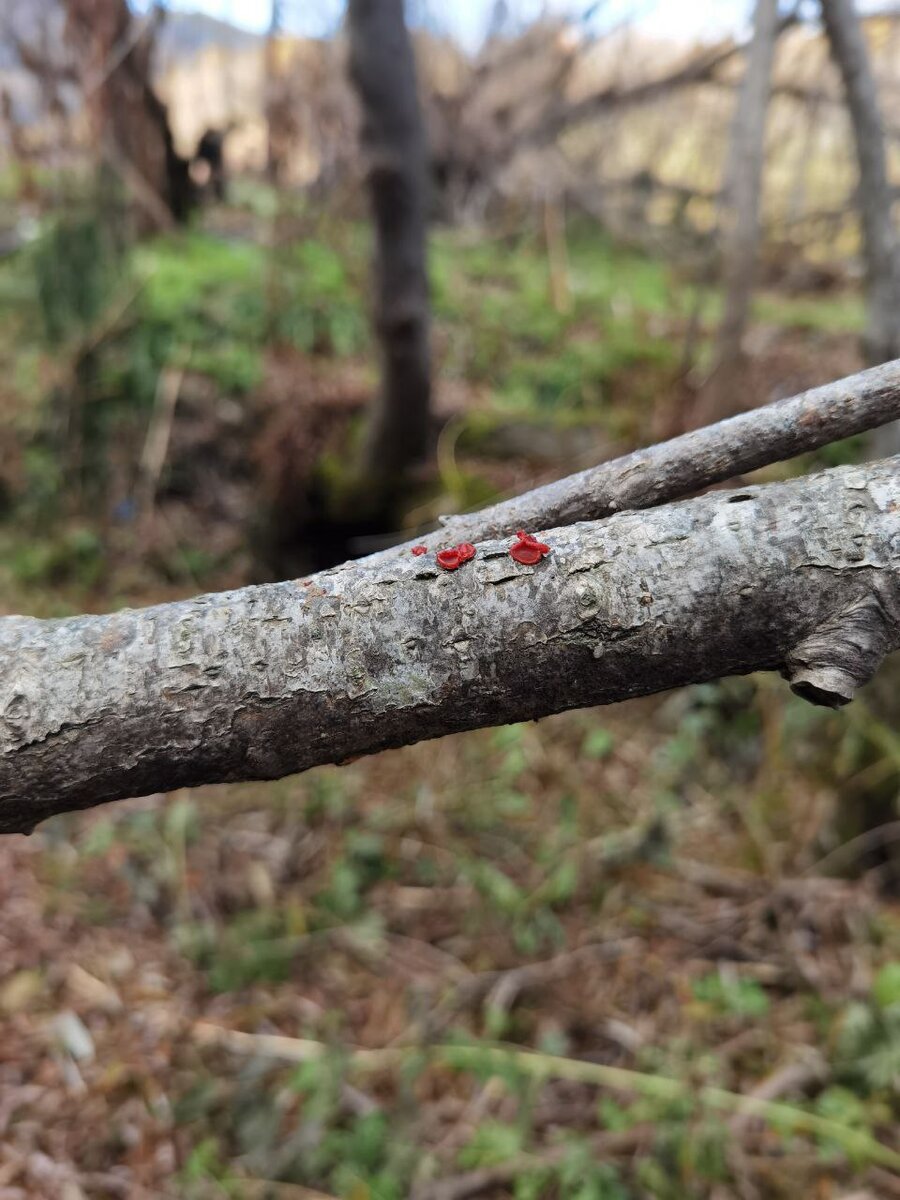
(467, 19)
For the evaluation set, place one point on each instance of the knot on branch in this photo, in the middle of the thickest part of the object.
(844, 653)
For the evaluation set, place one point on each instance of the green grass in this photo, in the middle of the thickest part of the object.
(492, 301)
(829, 314)
(216, 304)
(220, 303)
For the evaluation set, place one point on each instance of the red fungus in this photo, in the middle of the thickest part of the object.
(418, 551)
(455, 556)
(525, 554)
(527, 550)
(449, 559)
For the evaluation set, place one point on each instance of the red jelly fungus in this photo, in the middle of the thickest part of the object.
(418, 551)
(527, 555)
(456, 556)
(528, 550)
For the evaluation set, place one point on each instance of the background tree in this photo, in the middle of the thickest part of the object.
(279, 126)
(874, 194)
(740, 209)
(383, 73)
(130, 126)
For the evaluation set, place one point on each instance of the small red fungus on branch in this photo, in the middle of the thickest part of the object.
(418, 551)
(455, 556)
(527, 550)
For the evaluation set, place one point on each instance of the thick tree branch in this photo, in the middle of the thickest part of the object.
(255, 684)
(669, 470)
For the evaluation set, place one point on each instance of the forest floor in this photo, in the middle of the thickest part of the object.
(619, 953)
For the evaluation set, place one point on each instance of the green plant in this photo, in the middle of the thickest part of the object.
(362, 864)
(205, 1166)
(577, 1177)
(78, 263)
(731, 995)
(252, 948)
(867, 1050)
(492, 1142)
(76, 554)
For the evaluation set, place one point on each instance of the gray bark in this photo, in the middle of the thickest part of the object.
(258, 683)
(696, 460)
(880, 248)
(743, 185)
(382, 70)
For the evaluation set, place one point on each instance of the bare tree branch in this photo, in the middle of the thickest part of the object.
(700, 68)
(259, 683)
(35, 62)
(810, 97)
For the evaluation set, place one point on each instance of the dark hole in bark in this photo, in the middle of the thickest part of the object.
(740, 499)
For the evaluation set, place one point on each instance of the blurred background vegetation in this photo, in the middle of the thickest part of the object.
(541, 961)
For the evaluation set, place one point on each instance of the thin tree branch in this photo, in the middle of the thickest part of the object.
(696, 460)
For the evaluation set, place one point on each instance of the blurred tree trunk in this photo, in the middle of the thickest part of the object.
(382, 70)
(880, 250)
(278, 115)
(740, 216)
(881, 253)
(129, 123)
(873, 804)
